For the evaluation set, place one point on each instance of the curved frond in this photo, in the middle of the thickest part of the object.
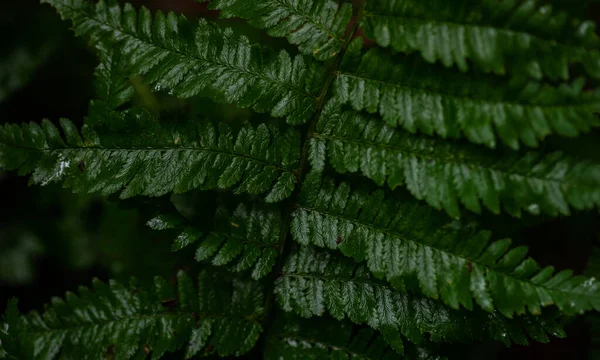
(316, 26)
(246, 239)
(485, 109)
(403, 240)
(221, 317)
(326, 338)
(188, 60)
(146, 157)
(315, 282)
(526, 36)
(445, 173)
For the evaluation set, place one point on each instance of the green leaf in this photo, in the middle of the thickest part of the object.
(326, 338)
(485, 109)
(524, 36)
(146, 157)
(17, 69)
(128, 320)
(593, 321)
(404, 241)
(315, 282)
(446, 173)
(248, 238)
(316, 26)
(112, 84)
(19, 250)
(12, 344)
(186, 59)
(282, 189)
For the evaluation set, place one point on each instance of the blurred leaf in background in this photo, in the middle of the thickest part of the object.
(19, 249)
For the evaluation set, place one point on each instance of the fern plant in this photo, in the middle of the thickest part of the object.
(350, 215)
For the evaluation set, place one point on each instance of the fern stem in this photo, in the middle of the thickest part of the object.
(300, 173)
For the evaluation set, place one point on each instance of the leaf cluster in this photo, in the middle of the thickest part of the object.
(353, 195)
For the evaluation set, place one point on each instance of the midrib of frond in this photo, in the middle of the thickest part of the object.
(155, 149)
(448, 159)
(396, 235)
(133, 36)
(191, 315)
(490, 102)
(300, 171)
(335, 278)
(532, 37)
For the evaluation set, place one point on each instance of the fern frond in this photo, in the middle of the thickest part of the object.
(111, 83)
(402, 240)
(11, 327)
(315, 282)
(593, 321)
(188, 60)
(316, 26)
(119, 321)
(149, 158)
(187, 233)
(245, 239)
(326, 338)
(524, 36)
(414, 95)
(444, 173)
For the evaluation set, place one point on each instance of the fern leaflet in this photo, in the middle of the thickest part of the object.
(188, 60)
(316, 26)
(248, 238)
(112, 84)
(326, 338)
(444, 173)
(127, 321)
(451, 261)
(526, 36)
(315, 282)
(152, 158)
(416, 96)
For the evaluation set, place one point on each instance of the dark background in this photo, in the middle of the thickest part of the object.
(52, 241)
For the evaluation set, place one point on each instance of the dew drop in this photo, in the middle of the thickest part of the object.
(534, 209)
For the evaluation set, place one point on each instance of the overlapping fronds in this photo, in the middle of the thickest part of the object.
(147, 157)
(528, 37)
(113, 320)
(314, 282)
(246, 239)
(187, 59)
(446, 173)
(326, 338)
(485, 109)
(316, 26)
(404, 240)
(407, 276)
